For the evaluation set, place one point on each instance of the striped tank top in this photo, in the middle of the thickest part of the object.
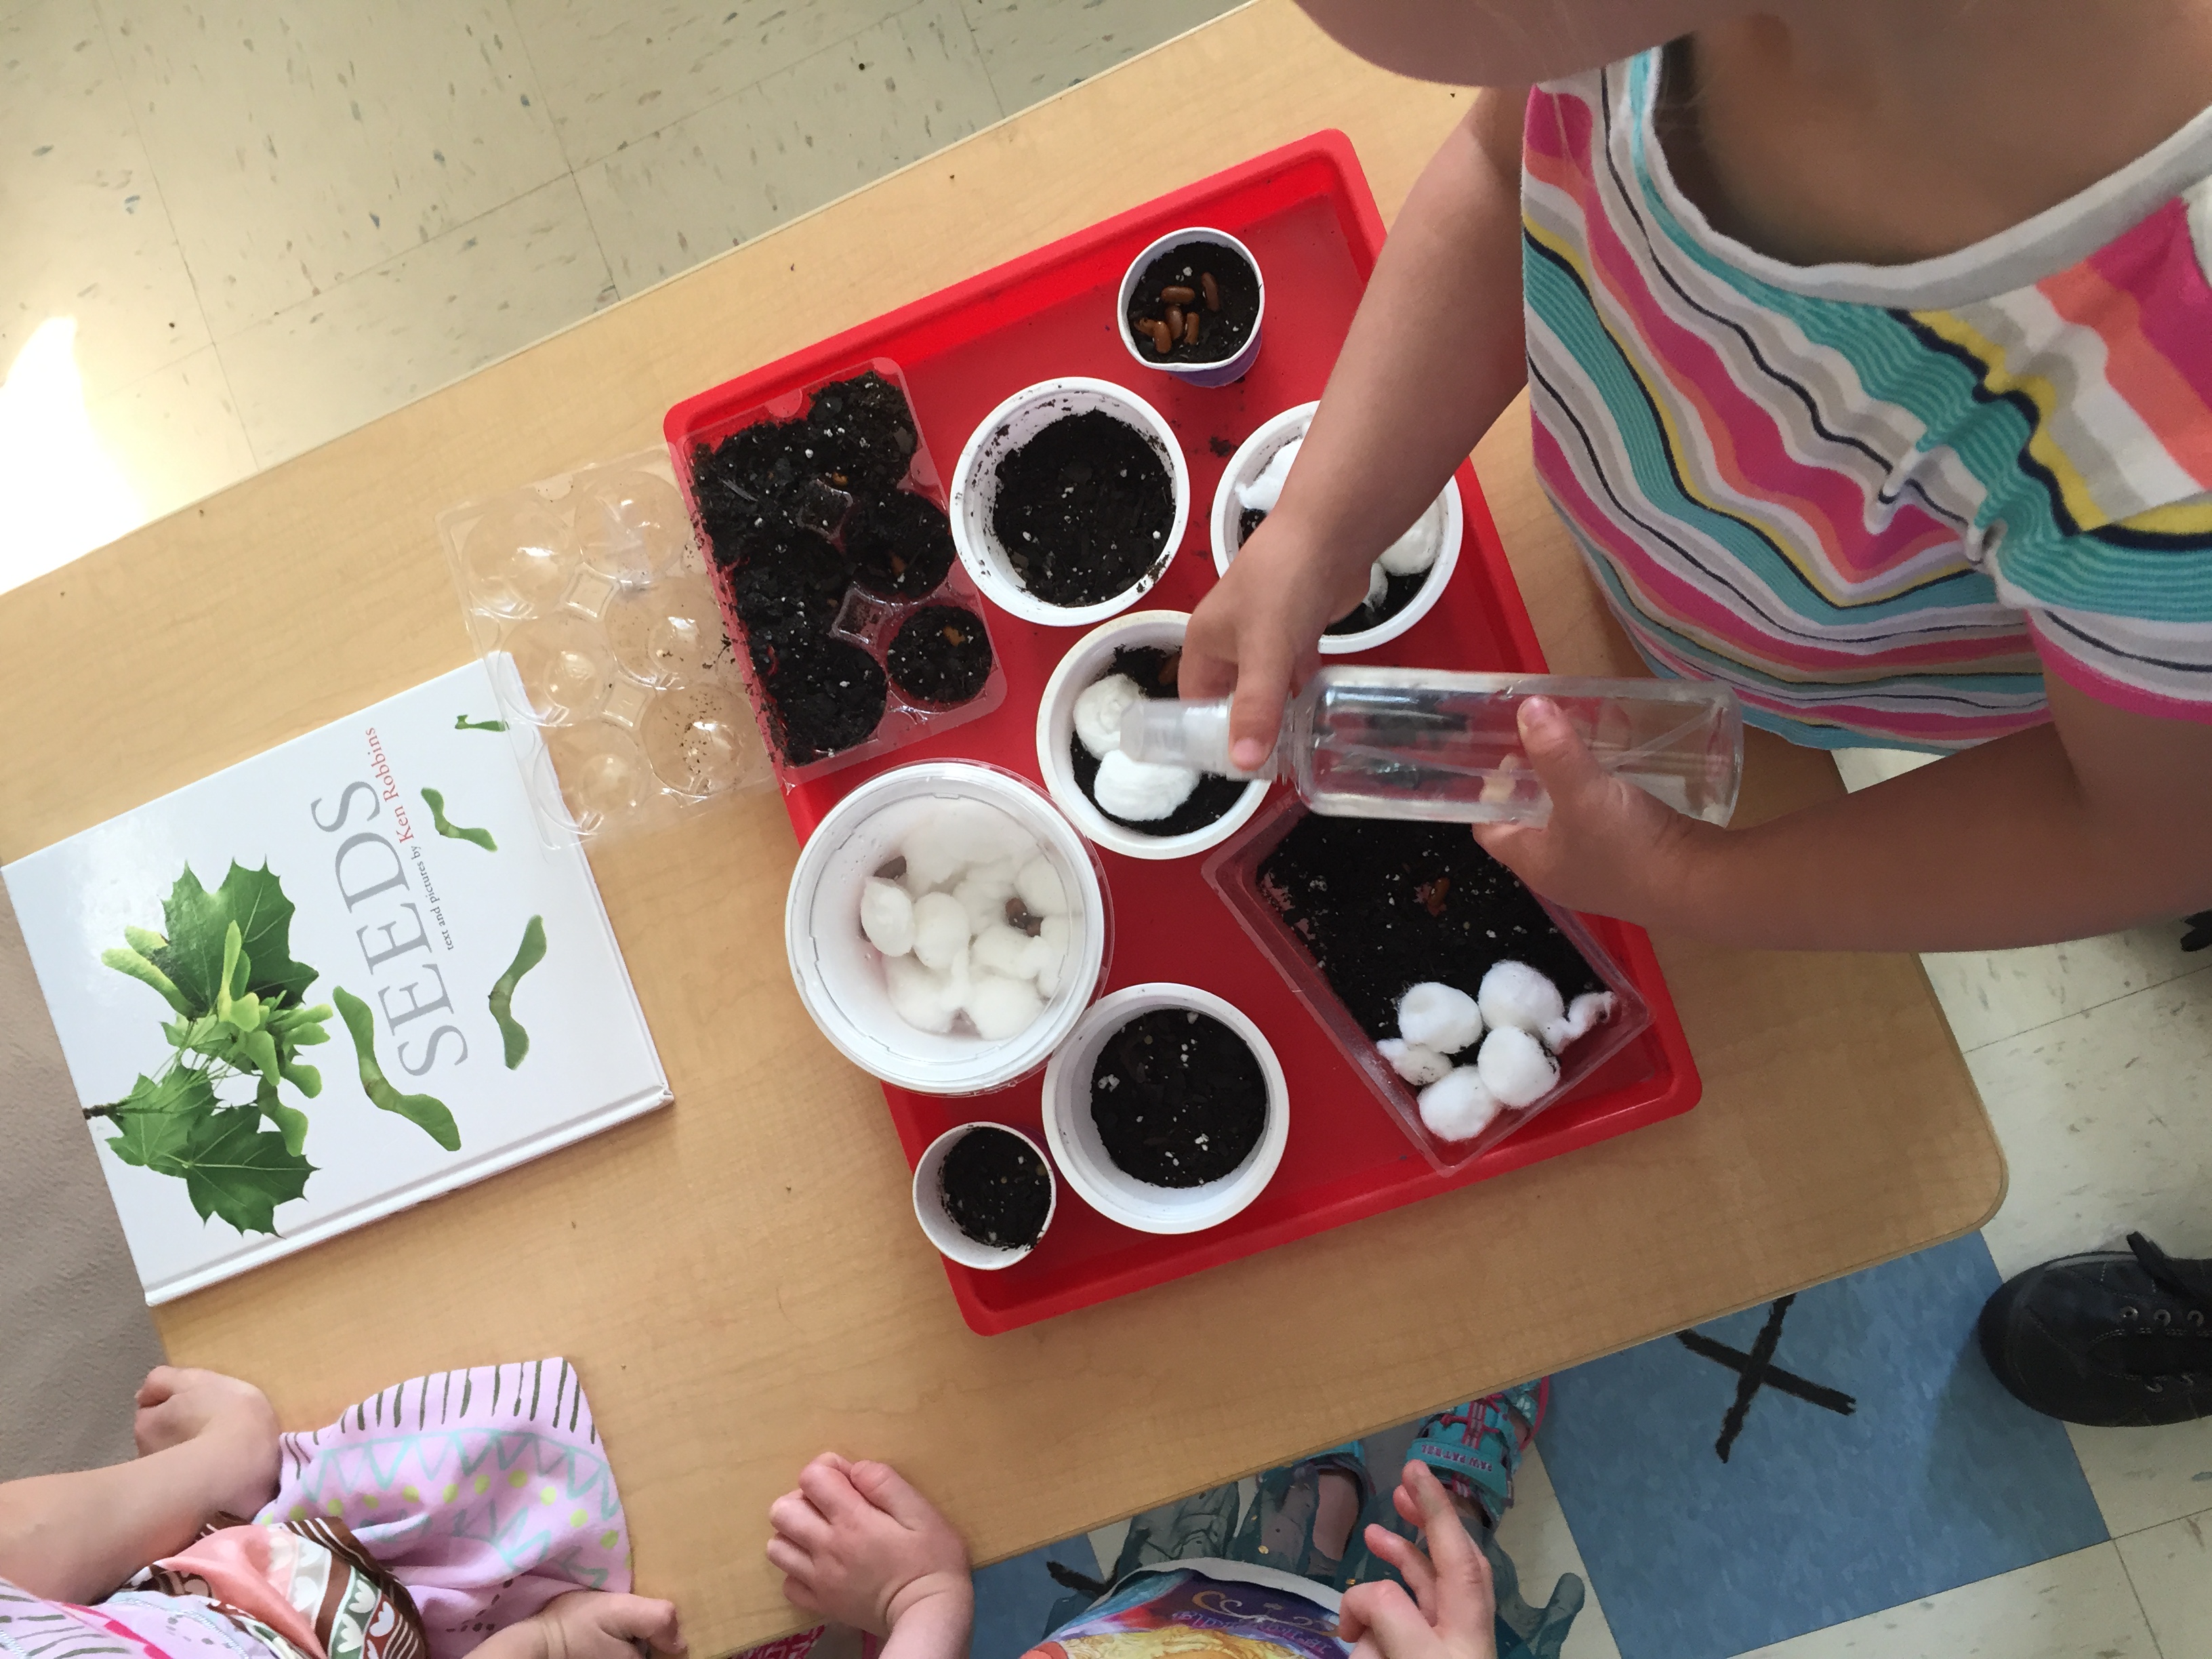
(1883, 503)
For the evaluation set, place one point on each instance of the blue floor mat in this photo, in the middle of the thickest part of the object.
(1880, 1462)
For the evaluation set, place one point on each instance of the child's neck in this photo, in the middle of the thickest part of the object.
(1890, 131)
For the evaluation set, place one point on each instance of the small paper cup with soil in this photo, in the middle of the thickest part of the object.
(1166, 1109)
(984, 1194)
(1406, 581)
(946, 926)
(1145, 813)
(1069, 501)
(1358, 914)
(1191, 304)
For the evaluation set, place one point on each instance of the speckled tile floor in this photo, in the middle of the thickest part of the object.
(228, 235)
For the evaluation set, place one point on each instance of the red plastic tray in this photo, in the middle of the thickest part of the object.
(1309, 219)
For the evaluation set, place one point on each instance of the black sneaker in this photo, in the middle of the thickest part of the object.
(2113, 1340)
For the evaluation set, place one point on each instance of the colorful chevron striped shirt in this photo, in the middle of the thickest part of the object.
(1883, 503)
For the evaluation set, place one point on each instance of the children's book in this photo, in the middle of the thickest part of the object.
(330, 982)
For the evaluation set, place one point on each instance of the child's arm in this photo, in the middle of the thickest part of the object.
(2099, 821)
(1451, 1613)
(1433, 357)
(859, 1546)
(587, 1625)
(207, 1443)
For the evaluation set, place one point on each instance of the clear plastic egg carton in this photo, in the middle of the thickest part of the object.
(589, 593)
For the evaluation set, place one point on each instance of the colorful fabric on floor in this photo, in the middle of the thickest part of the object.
(486, 1492)
(305, 1587)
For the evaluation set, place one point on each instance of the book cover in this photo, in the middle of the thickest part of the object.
(328, 982)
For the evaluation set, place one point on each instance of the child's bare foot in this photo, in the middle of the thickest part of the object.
(858, 1545)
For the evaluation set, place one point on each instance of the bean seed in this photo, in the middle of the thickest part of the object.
(1175, 322)
(1190, 328)
(1162, 341)
(1178, 294)
(1213, 291)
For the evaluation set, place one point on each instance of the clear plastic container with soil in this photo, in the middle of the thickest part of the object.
(589, 594)
(1152, 670)
(823, 522)
(1355, 912)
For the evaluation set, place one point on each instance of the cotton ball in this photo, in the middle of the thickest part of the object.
(887, 916)
(1418, 1066)
(1416, 549)
(919, 997)
(1141, 790)
(1048, 954)
(999, 949)
(1042, 891)
(1264, 491)
(1002, 1007)
(1456, 1107)
(1378, 589)
(934, 854)
(1513, 994)
(1439, 1017)
(983, 892)
(1585, 1013)
(1098, 710)
(1515, 1066)
(940, 929)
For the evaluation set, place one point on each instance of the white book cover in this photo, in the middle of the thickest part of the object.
(331, 982)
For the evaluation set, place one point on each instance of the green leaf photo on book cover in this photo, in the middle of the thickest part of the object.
(435, 801)
(225, 968)
(463, 723)
(528, 956)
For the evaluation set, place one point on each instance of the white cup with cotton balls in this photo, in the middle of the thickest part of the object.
(946, 926)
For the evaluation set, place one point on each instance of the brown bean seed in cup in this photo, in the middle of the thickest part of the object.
(1162, 341)
(1190, 328)
(1177, 294)
(1175, 322)
(1213, 291)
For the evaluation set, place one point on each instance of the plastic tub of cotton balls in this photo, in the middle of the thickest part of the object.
(1069, 501)
(1126, 806)
(984, 1195)
(1202, 1090)
(946, 926)
(1403, 584)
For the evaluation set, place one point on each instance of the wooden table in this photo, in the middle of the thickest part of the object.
(738, 1277)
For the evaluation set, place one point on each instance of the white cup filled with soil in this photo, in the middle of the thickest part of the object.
(1191, 305)
(1124, 806)
(984, 1195)
(1403, 585)
(946, 926)
(1069, 501)
(1166, 1109)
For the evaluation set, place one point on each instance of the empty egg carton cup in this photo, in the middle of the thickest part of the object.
(588, 594)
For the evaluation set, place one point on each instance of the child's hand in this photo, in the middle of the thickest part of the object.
(1452, 1610)
(230, 1421)
(858, 1545)
(1610, 847)
(1258, 632)
(594, 1624)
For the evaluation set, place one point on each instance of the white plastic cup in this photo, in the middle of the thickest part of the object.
(1085, 665)
(975, 492)
(940, 1227)
(1072, 1136)
(840, 975)
(1205, 375)
(1251, 459)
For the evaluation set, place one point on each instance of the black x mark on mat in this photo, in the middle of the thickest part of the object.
(1756, 1369)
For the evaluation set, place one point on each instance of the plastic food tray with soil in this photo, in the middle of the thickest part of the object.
(824, 519)
(589, 593)
(1306, 214)
(1355, 912)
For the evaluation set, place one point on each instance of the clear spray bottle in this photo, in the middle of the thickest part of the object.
(1416, 742)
